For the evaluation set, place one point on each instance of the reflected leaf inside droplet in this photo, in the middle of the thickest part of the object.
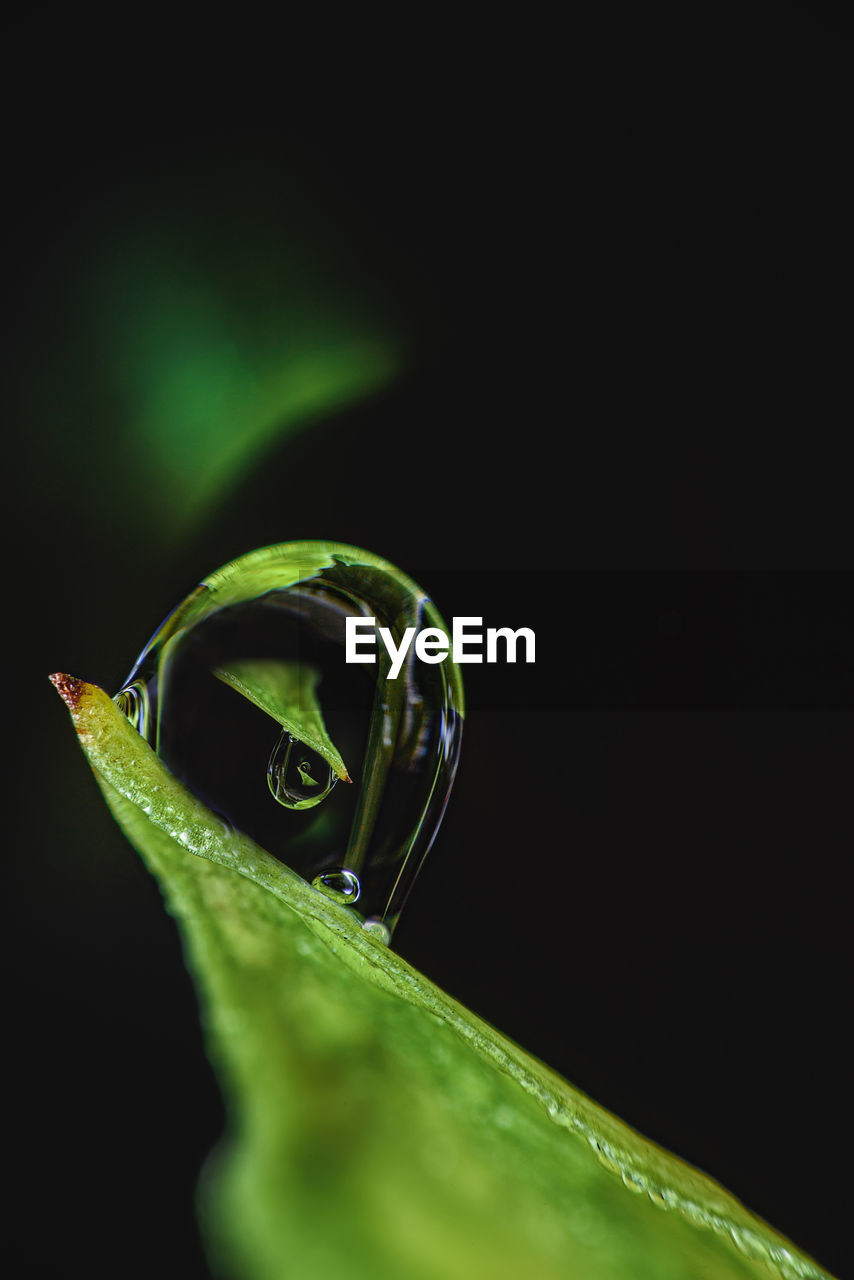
(245, 693)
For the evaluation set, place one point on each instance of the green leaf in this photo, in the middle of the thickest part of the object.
(207, 340)
(287, 691)
(377, 1128)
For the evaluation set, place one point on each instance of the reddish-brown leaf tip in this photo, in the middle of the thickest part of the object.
(69, 688)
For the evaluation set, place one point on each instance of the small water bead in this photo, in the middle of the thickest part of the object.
(632, 1182)
(340, 886)
(561, 1114)
(606, 1157)
(245, 694)
(695, 1213)
(378, 931)
(298, 777)
(658, 1196)
(747, 1241)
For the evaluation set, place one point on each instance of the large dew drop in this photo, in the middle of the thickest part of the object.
(336, 769)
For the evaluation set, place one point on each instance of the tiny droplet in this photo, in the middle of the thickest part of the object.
(298, 777)
(340, 886)
(379, 932)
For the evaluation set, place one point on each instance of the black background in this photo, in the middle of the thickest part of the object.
(623, 267)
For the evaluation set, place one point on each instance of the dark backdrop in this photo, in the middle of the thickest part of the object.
(622, 271)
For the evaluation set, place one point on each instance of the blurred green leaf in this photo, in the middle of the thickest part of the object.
(190, 339)
(376, 1127)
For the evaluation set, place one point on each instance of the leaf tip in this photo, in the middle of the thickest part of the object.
(69, 688)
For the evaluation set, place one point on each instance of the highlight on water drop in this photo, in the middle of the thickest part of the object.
(132, 700)
(339, 771)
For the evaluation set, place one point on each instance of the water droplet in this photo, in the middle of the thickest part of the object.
(695, 1213)
(604, 1155)
(560, 1113)
(340, 885)
(298, 777)
(747, 1241)
(245, 693)
(633, 1182)
(379, 931)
